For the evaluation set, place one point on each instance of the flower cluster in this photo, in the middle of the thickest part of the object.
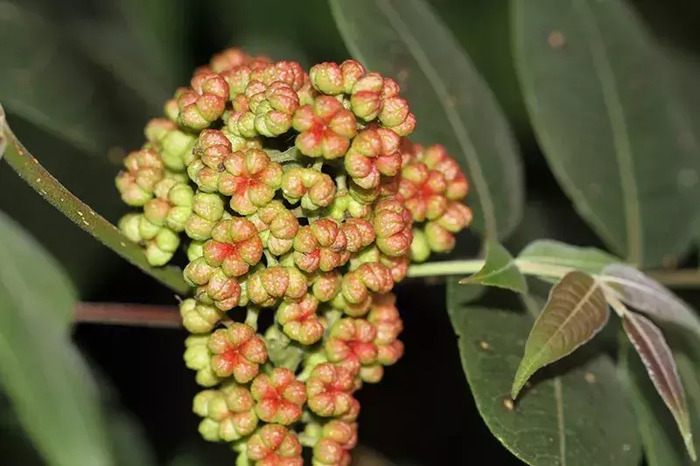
(301, 202)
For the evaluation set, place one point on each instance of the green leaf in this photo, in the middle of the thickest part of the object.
(41, 81)
(550, 252)
(52, 392)
(131, 446)
(650, 297)
(614, 133)
(575, 312)
(498, 270)
(142, 45)
(658, 360)
(662, 444)
(406, 40)
(575, 416)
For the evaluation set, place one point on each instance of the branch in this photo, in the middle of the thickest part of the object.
(138, 315)
(683, 278)
(31, 171)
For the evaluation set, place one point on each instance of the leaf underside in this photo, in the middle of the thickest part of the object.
(652, 348)
(650, 297)
(575, 312)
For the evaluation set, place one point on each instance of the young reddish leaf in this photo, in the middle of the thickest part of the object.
(661, 367)
(499, 270)
(650, 297)
(575, 311)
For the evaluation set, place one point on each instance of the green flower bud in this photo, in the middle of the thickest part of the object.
(198, 358)
(420, 247)
(129, 226)
(198, 317)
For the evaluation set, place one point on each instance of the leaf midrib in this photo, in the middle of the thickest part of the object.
(452, 116)
(667, 378)
(620, 133)
(582, 302)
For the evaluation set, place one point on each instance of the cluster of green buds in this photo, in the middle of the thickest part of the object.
(298, 202)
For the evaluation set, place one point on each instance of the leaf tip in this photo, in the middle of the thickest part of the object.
(690, 446)
(521, 377)
(466, 280)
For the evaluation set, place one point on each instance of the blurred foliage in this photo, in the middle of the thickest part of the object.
(81, 78)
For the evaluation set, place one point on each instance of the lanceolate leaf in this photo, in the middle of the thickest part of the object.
(407, 41)
(575, 312)
(499, 270)
(650, 297)
(550, 252)
(661, 367)
(662, 444)
(51, 390)
(613, 131)
(573, 416)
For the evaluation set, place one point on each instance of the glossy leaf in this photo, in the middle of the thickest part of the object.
(661, 368)
(406, 40)
(576, 415)
(650, 297)
(607, 118)
(41, 81)
(575, 312)
(550, 252)
(51, 390)
(661, 442)
(499, 270)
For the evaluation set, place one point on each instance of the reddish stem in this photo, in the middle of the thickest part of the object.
(139, 315)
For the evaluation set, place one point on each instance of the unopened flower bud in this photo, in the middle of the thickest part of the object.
(198, 317)
(266, 286)
(235, 246)
(279, 395)
(392, 224)
(351, 344)
(198, 358)
(420, 246)
(251, 178)
(277, 227)
(274, 444)
(299, 320)
(237, 351)
(329, 390)
(203, 103)
(144, 169)
(374, 152)
(313, 188)
(325, 128)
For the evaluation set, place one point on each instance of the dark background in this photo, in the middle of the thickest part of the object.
(422, 412)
